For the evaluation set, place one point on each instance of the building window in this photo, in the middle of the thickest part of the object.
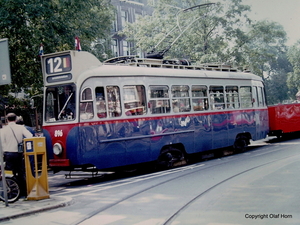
(124, 18)
(114, 47)
(115, 23)
(125, 48)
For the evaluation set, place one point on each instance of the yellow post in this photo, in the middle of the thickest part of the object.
(36, 168)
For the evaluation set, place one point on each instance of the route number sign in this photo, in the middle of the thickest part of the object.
(58, 64)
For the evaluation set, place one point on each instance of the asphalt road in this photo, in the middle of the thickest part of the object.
(259, 186)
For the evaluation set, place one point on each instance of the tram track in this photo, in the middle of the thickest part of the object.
(213, 187)
(111, 183)
(200, 167)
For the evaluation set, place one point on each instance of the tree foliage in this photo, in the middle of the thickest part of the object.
(212, 29)
(28, 24)
(265, 43)
(277, 90)
(293, 80)
(54, 24)
(221, 33)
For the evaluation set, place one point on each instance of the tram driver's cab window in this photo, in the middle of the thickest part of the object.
(180, 98)
(86, 104)
(232, 97)
(159, 99)
(199, 98)
(216, 94)
(134, 100)
(60, 103)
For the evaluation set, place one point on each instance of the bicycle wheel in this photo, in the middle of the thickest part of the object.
(13, 190)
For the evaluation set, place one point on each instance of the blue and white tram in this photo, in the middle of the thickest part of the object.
(131, 111)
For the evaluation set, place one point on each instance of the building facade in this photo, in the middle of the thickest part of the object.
(126, 11)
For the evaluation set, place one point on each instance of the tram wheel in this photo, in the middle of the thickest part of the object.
(171, 157)
(240, 144)
(13, 190)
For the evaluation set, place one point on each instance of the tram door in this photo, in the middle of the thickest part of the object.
(202, 123)
(219, 119)
(261, 117)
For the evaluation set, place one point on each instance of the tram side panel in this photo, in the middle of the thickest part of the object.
(108, 144)
(99, 145)
(219, 130)
(138, 144)
(203, 133)
(262, 124)
(184, 128)
(236, 125)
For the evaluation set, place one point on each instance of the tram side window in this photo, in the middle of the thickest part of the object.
(86, 104)
(260, 97)
(60, 103)
(232, 97)
(113, 101)
(255, 96)
(246, 97)
(100, 102)
(159, 99)
(199, 97)
(180, 98)
(263, 96)
(216, 94)
(134, 100)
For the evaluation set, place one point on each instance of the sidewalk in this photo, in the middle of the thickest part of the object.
(23, 207)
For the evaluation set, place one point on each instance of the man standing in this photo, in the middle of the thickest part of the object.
(11, 136)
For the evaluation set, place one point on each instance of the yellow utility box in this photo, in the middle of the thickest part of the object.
(36, 168)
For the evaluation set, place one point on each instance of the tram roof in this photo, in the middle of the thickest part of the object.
(84, 65)
(162, 70)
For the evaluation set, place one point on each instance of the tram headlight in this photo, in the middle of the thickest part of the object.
(57, 149)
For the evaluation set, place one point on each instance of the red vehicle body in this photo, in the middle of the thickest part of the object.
(284, 118)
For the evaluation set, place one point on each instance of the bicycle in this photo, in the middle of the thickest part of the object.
(12, 187)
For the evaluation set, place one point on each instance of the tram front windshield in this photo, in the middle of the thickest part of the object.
(60, 103)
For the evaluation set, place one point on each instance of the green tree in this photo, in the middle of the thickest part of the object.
(54, 23)
(277, 89)
(221, 33)
(213, 29)
(293, 80)
(263, 45)
(264, 52)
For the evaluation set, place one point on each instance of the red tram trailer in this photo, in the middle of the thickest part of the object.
(284, 118)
